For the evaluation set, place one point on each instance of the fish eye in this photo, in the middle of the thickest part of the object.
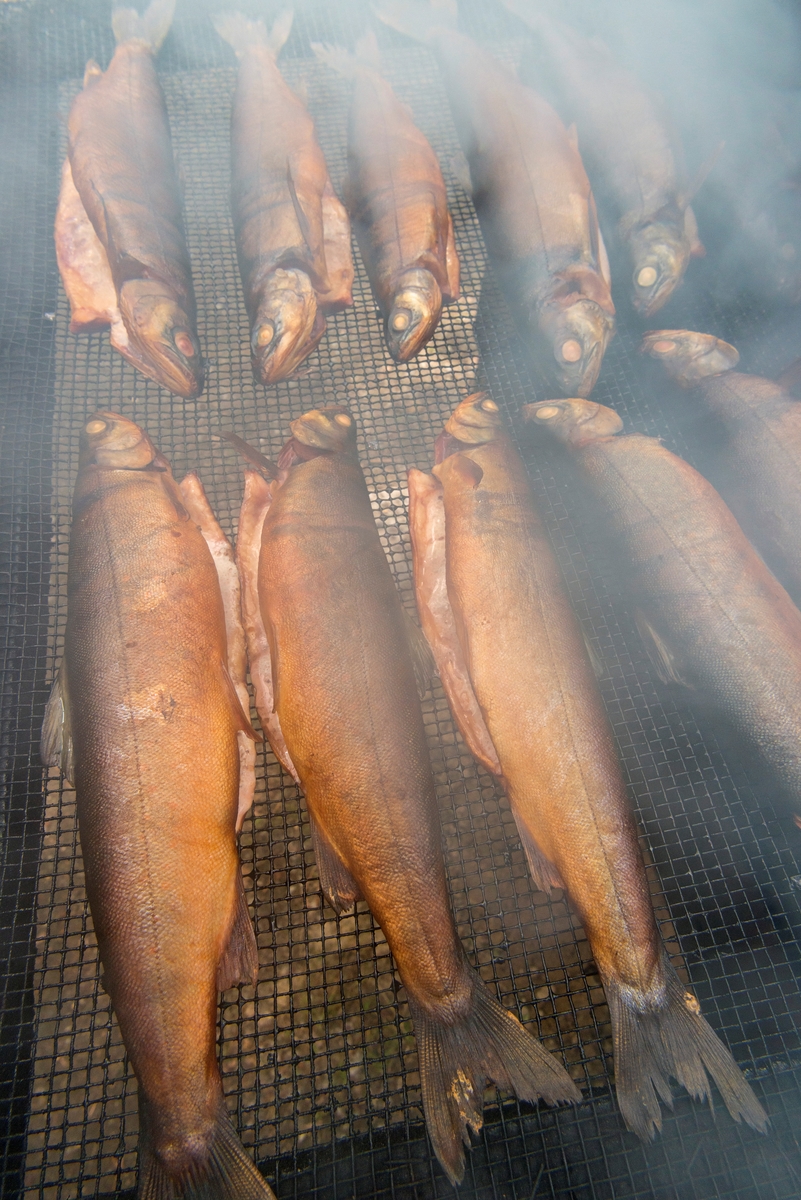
(489, 406)
(545, 413)
(663, 346)
(96, 425)
(646, 277)
(400, 320)
(184, 343)
(342, 419)
(264, 335)
(571, 350)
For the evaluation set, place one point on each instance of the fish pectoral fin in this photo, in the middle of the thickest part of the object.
(452, 264)
(543, 872)
(240, 958)
(336, 882)
(236, 704)
(663, 660)
(467, 470)
(596, 662)
(316, 252)
(697, 248)
(461, 170)
(572, 136)
(56, 744)
(422, 659)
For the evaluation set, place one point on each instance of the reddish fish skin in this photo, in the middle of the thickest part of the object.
(154, 722)
(346, 699)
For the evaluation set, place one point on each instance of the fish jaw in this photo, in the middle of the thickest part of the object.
(660, 254)
(575, 421)
(474, 422)
(162, 343)
(287, 326)
(689, 357)
(415, 313)
(330, 428)
(578, 335)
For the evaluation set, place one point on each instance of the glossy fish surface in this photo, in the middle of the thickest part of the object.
(288, 221)
(396, 195)
(533, 200)
(710, 612)
(525, 660)
(122, 167)
(346, 700)
(145, 718)
(631, 150)
(756, 458)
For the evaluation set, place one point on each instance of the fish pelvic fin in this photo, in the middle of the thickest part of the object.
(240, 958)
(459, 1054)
(228, 1172)
(241, 33)
(669, 1037)
(663, 660)
(542, 870)
(56, 745)
(416, 19)
(336, 882)
(151, 26)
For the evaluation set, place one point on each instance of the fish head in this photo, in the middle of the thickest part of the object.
(660, 253)
(578, 335)
(689, 357)
(475, 421)
(415, 313)
(287, 326)
(161, 340)
(113, 442)
(330, 428)
(575, 421)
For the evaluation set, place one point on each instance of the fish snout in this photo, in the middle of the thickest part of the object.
(162, 336)
(573, 421)
(689, 357)
(331, 427)
(287, 326)
(112, 441)
(415, 314)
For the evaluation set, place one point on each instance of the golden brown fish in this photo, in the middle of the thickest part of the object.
(292, 233)
(710, 612)
(532, 197)
(495, 609)
(633, 155)
(755, 462)
(145, 718)
(346, 704)
(119, 228)
(396, 196)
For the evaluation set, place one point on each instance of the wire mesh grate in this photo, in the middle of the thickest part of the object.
(318, 1061)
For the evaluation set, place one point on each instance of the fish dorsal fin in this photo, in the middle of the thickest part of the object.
(663, 660)
(572, 136)
(56, 744)
(420, 651)
(336, 882)
(151, 26)
(240, 958)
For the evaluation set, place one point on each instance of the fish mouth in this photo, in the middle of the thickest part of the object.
(415, 314)
(161, 341)
(689, 357)
(287, 328)
(577, 336)
(111, 441)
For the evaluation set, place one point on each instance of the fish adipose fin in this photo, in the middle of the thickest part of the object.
(336, 882)
(240, 958)
(672, 1038)
(230, 1172)
(241, 33)
(151, 26)
(543, 872)
(56, 744)
(458, 1057)
(663, 660)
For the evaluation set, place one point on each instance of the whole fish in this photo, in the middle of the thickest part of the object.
(710, 613)
(144, 717)
(346, 703)
(756, 462)
(119, 229)
(495, 610)
(631, 151)
(396, 196)
(533, 200)
(292, 232)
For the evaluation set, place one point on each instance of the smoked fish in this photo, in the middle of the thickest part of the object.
(346, 702)
(498, 618)
(144, 718)
(709, 611)
(533, 200)
(292, 232)
(396, 197)
(755, 463)
(632, 154)
(119, 230)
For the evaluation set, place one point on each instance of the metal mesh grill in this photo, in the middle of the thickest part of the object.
(318, 1060)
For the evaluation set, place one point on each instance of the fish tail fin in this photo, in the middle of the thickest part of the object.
(337, 58)
(672, 1038)
(457, 1056)
(229, 1172)
(151, 26)
(240, 32)
(416, 19)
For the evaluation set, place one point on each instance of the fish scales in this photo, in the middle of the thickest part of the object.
(154, 725)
